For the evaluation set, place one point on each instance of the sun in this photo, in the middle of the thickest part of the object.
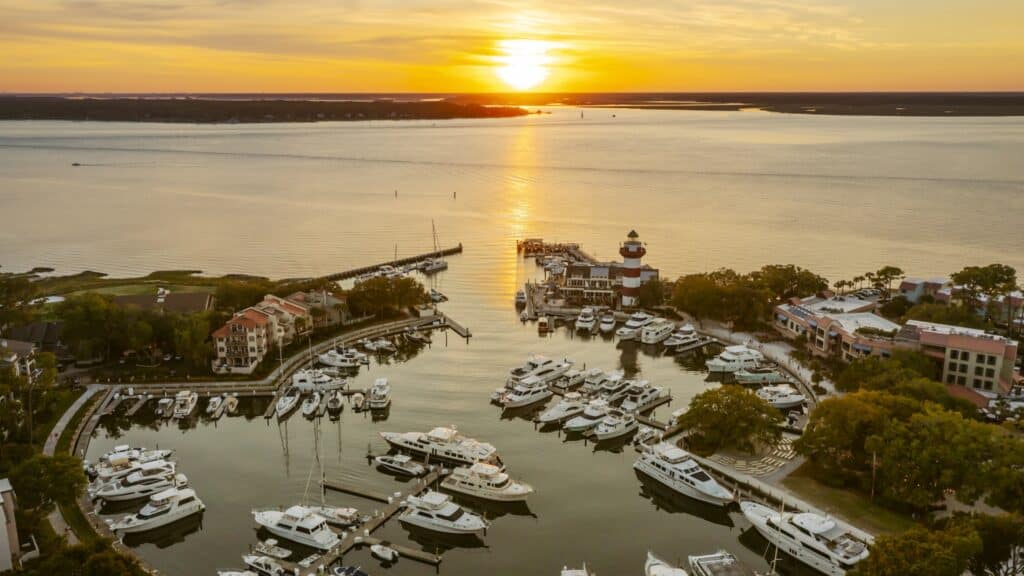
(523, 63)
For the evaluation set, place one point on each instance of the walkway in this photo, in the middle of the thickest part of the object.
(56, 518)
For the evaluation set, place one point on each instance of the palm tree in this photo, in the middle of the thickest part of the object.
(858, 280)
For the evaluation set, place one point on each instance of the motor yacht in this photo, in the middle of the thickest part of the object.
(185, 403)
(569, 406)
(123, 458)
(675, 468)
(401, 464)
(532, 366)
(213, 404)
(337, 359)
(164, 407)
(614, 388)
(760, 375)
(593, 413)
(443, 443)
(263, 565)
(119, 468)
(586, 321)
(287, 402)
(633, 326)
(520, 298)
(270, 548)
(142, 484)
(720, 563)
(735, 358)
(608, 322)
(821, 542)
(684, 337)
(655, 566)
(616, 424)
(435, 511)
(310, 405)
(641, 396)
(569, 380)
(341, 516)
(595, 378)
(525, 395)
(310, 379)
(657, 331)
(380, 395)
(781, 396)
(162, 509)
(298, 524)
(335, 403)
(488, 482)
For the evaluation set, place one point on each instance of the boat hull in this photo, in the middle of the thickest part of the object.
(441, 529)
(787, 545)
(528, 401)
(677, 486)
(159, 521)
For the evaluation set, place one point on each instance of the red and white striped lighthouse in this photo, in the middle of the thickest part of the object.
(632, 250)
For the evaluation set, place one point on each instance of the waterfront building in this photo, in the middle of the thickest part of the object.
(243, 341)
(608, 283)
(325, 309)
(913, 289)
(17, 356)
(966, 356)
(1002, 310)
(843, 326)
(290, 318)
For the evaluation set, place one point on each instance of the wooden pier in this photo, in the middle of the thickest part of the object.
(352, 273)
(134, 409)
(404, 551)
(456, 327)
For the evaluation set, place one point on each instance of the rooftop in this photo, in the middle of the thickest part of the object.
(835, 305)
(956, 330)
(857, 320)
(16, 347)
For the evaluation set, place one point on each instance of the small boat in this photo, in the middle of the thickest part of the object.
(311, 404)
(676, 469)
(781, 396)
(435, 511)
(338, 515)
(185, 403)
(287, 402)
(543, 325)
(335, 403)
(569, 406)
(270, 548)
(401, 464)
(655, 566)
(433, 265)
(162, 509)
(368, 345)
(616, 424)
(230, 403)
(357, 401)
(164, 407)
(380, 394)
(298, 524)
(264, 565)
(310, 380)
(488, 482)
(213, 404)
(524, 316)
(384, 552)
(734, 358)
(593, 413)
(237, 573)
(760, 375)
(520, 298)
(586, 321)
(436, 297)
(645, 435)
(720, 563)
(339, 570)
(608, 322)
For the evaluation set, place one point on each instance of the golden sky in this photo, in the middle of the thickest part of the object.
(498, 45)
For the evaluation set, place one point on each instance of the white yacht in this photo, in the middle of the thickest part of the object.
(569, 380)
(608, 322)
(595, 378)
(593, 413)
(264, 565)
(311, 404)
(586, 321)
(684, 337)
(384, 553)
(614, 388)
(444, 443)
(616, 424)
(520, 298)
(720, 563)
(657, 331)
(231, 403)
(640, 396)
(735, 358)
(121, 467)
(310, 379)
(287, 402)
(384, 345)
(488, 482)
(338, 359)
(213, 404)
(633, 326)
(162, 509)
(821, 542)
(340, 516)
(655, 566)
(185, 403)
(357, 401)
(436, 511)
(676, 469)
(380, 395)
(433, 265)
(570, 405)
(123, 458)
(164, 407)
(298, 524)
(401, 464)
(760, 375)
(538, 369)
(141, 484)
(525, 394)
(781, 396)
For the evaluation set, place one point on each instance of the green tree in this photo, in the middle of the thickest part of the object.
(16, 293)
(787, 281)
(992, 281)
(42, 480)
(953, 314)
(191, 334)
(652, 293)
(731, 417)
(95, 559)
(887, 274)
(922, 552)
(1002, 549)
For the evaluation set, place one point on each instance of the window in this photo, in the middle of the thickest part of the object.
(963, 368)
(991, 360)
(990, 373)
(978, 370)
(977, 383)
(961, 380)
(988, 385)
(952, 366)
(954, 354)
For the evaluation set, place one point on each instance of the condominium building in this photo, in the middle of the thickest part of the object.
(914, 289)
(968, 357)
(843, 326)
(243, 341)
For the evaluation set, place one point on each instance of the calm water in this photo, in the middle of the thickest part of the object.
(704, 189)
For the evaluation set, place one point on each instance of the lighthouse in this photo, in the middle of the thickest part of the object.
(632, 250)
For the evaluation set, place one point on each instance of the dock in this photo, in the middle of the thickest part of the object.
(456, 327)
(404, 551)
(346, 488)
(353, 272)
(138, 404)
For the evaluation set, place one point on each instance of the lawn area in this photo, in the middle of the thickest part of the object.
(852, 506)
(145, 288)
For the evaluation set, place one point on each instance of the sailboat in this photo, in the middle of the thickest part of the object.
(436, 263)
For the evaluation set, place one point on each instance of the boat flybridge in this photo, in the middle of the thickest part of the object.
(525, 394)
(616, 424)
(435, 511)
(614, 388)
(592, 414)
(760, 375)
(608, 322)
(380, 395)
(781, 396)
(586, 321)
(142, 484)
(640, 396)
(675, 468)
(298, 524)
(633, 326)
(162, 509)
(735, 358)
(655, 566)
(185, 403)
(443, 443)
(538, 368)
(718, 564)
(595, 378)
(657, 331)
(287, 402)
(570, 405)
(821, 542)
(488, 482)
(684, 337)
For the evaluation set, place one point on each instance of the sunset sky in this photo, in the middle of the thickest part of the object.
(500, 45)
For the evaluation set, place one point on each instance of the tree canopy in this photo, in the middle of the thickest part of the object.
(921, 552)
(731, 417)
(382, 294)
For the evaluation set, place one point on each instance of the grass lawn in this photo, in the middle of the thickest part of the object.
(852, 506)
(145, 288)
